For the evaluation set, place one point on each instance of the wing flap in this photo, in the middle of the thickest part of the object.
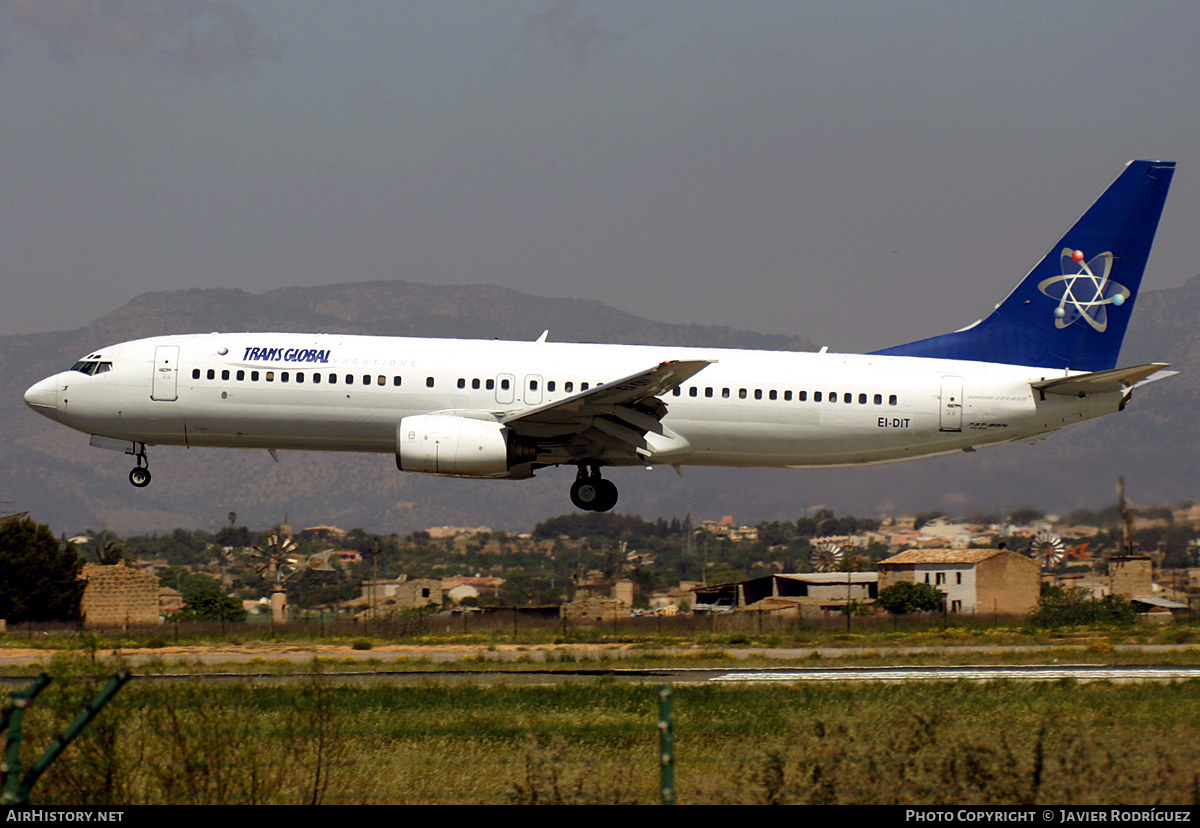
(623, 416)
(633, 438)
(652, 382)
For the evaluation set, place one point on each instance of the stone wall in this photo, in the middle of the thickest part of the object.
(594, 611)
(117, 596)
(1007, 584)
(1131, 576)
(418, 593)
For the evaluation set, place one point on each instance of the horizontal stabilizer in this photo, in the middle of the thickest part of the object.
(1100, 382)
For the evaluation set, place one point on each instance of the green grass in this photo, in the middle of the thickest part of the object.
(596, 741)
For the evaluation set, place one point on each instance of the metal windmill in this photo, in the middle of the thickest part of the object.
(1080, 551)
(275, 562)
(826, 555)
(226, 557)
(278, 563)
(1049, 549)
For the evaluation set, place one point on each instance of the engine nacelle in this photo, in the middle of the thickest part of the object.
(449, 444)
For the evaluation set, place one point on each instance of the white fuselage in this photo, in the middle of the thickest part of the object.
(749, 408)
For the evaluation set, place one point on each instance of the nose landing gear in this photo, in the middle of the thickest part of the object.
(140, 475)
(591, 492)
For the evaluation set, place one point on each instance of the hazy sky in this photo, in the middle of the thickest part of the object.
(863, 173)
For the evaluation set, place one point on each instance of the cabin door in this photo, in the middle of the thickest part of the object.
(164, 383)
(952, 404)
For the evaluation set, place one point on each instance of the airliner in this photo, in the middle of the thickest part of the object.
(1045, 358)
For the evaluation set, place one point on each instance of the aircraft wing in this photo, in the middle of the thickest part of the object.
(619, 415)
(1099, 382)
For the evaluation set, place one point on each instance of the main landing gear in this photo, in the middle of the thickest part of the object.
(591, 492)
(140, 475)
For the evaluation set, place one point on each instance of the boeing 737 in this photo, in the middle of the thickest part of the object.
(1045, 358)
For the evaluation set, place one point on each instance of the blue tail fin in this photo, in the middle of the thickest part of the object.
(1072, 309)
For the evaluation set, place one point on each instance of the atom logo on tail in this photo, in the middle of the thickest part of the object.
(1083, 290)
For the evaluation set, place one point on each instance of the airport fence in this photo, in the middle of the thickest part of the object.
(537, 624)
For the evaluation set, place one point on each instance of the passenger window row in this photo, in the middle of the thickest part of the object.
(506, 384)
(316, 378)
(845, 397)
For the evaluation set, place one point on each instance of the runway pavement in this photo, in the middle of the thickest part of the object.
(699, 675)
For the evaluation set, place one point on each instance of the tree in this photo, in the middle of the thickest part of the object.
(594, 524)
(111, 553)
(235, 536)
(923, 518)
(904, 597)
(776, 532)
(1026, 515)
(724, 573)
(187, 582)
(211, 606)
(40, 580)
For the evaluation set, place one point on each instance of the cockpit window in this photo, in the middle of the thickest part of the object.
(90, 367)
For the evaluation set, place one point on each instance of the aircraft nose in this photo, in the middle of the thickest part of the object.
(42, 397)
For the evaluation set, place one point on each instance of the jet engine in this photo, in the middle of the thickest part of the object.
(458, 446)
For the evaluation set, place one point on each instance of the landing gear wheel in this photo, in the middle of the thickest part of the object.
(607, 492)
(140, 476)
(585, 494)
(591, 492)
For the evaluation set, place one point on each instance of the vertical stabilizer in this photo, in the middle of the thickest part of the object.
(1072, 310)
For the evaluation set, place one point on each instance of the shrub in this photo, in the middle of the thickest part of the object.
(1073, 606)
(905, 597)
(211, 606)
